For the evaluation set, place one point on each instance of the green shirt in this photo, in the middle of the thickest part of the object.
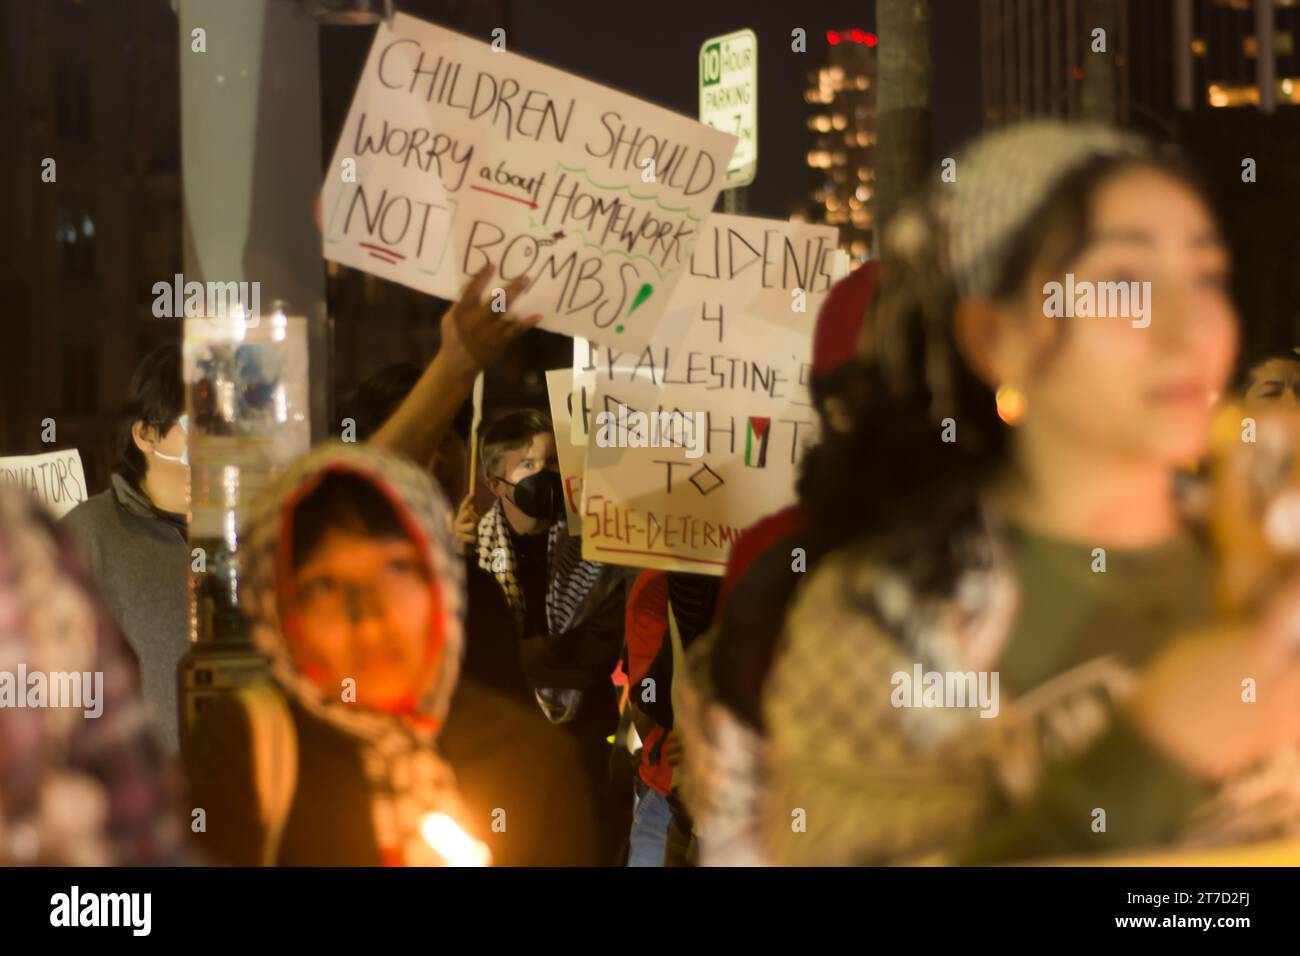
(1069, 614)
(1070, 611)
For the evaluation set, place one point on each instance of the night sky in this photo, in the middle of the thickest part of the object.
(652, 50)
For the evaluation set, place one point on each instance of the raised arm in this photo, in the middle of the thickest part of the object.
(473, 337)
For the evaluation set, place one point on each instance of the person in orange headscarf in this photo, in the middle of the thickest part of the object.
(364, 750)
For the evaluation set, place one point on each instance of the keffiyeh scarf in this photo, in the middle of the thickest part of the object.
(570, 579)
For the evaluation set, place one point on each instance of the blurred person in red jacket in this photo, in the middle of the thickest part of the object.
(774, 547)
(721, 728)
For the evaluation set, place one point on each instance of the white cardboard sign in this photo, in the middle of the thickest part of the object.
(55, 477)
(454, 156)
(573, 456)
(733, 356)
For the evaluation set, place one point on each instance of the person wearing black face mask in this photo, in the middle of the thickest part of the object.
(543, 625)
(540, 495)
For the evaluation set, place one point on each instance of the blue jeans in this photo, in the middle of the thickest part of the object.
(650, 817)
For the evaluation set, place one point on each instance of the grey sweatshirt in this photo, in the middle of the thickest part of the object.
(139, 557)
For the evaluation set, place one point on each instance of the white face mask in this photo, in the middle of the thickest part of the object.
(183, 458)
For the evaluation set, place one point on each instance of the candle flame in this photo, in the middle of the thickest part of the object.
(451, 842)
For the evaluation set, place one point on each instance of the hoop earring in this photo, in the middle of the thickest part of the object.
(1011, 404)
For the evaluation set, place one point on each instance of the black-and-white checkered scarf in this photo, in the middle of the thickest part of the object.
(569, 579)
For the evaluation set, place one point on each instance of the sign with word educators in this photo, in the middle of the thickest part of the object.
(56, 478)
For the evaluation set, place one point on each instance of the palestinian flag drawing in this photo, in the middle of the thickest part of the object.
(756, 442)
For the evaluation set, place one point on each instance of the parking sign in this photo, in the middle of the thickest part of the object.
(729, 98)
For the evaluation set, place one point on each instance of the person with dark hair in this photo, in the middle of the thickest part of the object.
(365, 748)
(1272, 376)
(729, 667)
(1012, 626)
(377, 397)
(135, 534)
(545, 627)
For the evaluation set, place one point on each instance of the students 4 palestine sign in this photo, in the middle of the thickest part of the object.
(454, 156)
(698, 435)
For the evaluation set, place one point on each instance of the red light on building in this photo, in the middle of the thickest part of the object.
(857, 36)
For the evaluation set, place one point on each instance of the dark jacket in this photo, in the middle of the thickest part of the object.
(500, 654)
(368, 780)
(139, 557)
(511, 767)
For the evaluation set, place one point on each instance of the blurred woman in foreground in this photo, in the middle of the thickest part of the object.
(83, 782)
(1013, 652)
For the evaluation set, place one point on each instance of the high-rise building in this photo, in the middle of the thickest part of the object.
(1243, 53)
(1032, 55)
(1152, 60)
(91, 180)
(841, 97)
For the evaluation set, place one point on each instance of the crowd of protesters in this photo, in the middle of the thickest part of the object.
(996, 491)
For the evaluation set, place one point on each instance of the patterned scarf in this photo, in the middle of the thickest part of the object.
(569, 580)
(47, 623)
(55, 763)
(407, 778)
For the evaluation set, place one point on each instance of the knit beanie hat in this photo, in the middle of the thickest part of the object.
(964, 229)
(1002, 180)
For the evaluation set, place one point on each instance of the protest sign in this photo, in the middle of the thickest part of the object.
(572, 455)
(584, 386)
(454, 156)
(700, 434)
(56, 478)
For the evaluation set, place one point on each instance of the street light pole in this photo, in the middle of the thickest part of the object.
(250, 171)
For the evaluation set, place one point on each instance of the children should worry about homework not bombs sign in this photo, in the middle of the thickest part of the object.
(698, 435)
(454, 156)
